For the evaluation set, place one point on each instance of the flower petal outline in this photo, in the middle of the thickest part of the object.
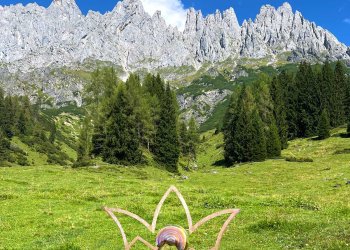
(152, 227)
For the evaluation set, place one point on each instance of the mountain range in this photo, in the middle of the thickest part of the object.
(34, 37)
(51, 52)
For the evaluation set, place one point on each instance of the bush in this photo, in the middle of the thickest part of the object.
(302, 159)
(85, 162)
(22, 161)
(54, 159)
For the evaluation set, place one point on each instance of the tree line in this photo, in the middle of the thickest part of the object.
(263, 116)
(17, 117)
(21, 118)
(122, 119)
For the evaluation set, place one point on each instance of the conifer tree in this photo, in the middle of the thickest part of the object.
(53, 133)
(167, 145)
(291, 99)
(326, 82)
(324, 126)
(153, 88)
(263, 99)
(98, 138)
(2, 109)
(142, 109)
(4, 147)
(193, 136)
(22, 124)
(9, 117)
(280, 113)
(338, 98)
(98, 95)
(183, 138)
(4, 143)
(244, 134)
(121, 143)
(308, 101)
(273, 143)
(347, 104)
(259, 144)
(84, 143)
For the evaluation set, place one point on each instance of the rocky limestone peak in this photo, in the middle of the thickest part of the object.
(68, 7)
(129, 37)
(130, 6)
(157, 15)
(194, 21)
(218, 16)
(230, 18)
(286, 7)
(266, 9)
(65, 4)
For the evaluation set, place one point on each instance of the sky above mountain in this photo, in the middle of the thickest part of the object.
(333, 15)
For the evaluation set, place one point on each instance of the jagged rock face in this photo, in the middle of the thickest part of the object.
(34, 37)
(214, 37)
(275, 31)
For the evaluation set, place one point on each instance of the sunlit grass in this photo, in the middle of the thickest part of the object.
(284, 205)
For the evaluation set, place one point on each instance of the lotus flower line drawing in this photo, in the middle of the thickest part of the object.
(174, 236)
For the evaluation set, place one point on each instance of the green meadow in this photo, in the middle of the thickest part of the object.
(284, 204)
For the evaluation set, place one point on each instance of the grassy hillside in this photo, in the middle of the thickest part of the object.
(284, 205)
(33, 150)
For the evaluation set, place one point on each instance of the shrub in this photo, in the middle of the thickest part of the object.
(22, 161)
(295, 159)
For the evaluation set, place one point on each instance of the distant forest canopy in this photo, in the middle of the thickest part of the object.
(121, 121)
(124, 122)
(263, 116)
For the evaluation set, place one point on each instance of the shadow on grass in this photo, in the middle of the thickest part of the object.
(342, 152)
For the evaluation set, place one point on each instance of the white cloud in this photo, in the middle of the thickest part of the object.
(347, 20)
(173, 11)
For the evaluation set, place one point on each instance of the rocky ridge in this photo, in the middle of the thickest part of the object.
(36, 37)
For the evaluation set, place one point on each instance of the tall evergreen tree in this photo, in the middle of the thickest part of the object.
(22, 124)
(347, 104)
(279, 110)
(142, 109)
(231, 108)
(326, 82)
(2, 109)
(183, 138)
(193, 136)
(262, 90)
(9, 117)
(324, 125)
(167, 145)
(4, 147)
(53, 132)
(98, 138)
(338, 98)
(97, 97)
(85, 143)
(273, 143)
(263, 99)
(308, 101)
(121, 144)
(259, 144)
(291, 99)
(244, 134)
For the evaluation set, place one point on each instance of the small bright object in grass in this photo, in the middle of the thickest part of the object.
(172, 236)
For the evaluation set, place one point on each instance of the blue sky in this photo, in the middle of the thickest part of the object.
(333, 15)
